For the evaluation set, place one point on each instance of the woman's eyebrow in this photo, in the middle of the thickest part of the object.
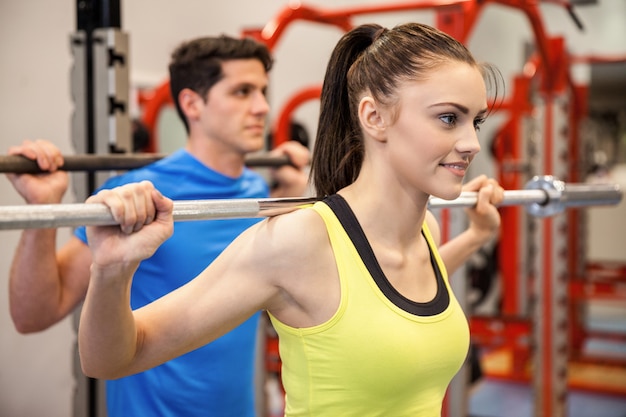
(460, 107)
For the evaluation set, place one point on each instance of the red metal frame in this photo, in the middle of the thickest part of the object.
(152, 102)
(589, 281)
(456, 17)
(283, 123)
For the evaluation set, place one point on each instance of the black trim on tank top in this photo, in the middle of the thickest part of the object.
(348, 220)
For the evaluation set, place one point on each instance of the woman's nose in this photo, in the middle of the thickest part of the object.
(469, 143)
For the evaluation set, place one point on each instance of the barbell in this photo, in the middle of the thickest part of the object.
(19, 164)
(543, 196)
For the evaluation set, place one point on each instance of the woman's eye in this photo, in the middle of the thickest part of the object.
(449, 119)
(478, 122)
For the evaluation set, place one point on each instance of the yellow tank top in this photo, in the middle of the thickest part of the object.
(380, 354)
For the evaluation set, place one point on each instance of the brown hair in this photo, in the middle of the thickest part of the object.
(374, 59)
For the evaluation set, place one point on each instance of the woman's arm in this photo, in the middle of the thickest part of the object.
(484, 224)
(108, 338)
(115, 341)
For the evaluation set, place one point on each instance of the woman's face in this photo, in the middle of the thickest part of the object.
(434, 138)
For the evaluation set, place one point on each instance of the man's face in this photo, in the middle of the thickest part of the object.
(236, 107)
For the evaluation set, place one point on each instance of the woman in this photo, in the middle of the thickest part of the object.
(355, 285)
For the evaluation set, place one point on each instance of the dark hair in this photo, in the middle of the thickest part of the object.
(374, 59)
(197, 64)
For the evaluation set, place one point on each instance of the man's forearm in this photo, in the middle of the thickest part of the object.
(34, 284)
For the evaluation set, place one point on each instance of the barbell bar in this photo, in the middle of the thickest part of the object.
(543, 196)
(19, 164)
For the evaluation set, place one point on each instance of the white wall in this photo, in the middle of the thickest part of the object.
(36, 374)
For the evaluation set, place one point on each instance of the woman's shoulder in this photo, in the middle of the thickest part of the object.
(301, 263)
(284, 243)
(301, 228)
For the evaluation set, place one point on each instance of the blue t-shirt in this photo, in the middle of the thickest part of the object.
(216, 380)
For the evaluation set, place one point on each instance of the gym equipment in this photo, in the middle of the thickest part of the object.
(544, 196)
(91, 162)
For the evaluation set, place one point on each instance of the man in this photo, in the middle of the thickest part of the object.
(219, 88)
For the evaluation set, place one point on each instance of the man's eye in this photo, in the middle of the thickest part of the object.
(242, 91)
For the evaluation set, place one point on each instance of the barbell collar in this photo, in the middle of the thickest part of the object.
(561, 195)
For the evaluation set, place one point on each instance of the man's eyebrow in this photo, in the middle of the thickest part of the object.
(247, 84)
(242, 84)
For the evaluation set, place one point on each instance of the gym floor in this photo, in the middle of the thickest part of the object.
(497, 398)
(501, 399)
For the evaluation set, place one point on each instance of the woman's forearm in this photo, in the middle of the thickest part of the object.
(108, 339)
(458, 250)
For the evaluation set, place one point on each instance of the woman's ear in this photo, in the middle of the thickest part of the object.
(372, 120)
(190, 103)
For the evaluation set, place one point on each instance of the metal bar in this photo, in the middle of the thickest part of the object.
(511, 198)
(113, 162)
(72, 215)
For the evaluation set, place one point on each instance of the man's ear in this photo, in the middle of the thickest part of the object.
(190, 103)
(372, 120)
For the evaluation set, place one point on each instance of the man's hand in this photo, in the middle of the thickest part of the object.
(291, 180)
(44, 188)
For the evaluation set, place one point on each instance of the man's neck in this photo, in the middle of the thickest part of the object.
(220, 159)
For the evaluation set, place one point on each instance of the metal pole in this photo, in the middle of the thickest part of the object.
(101, 112)
(540, 201)
(113, 162)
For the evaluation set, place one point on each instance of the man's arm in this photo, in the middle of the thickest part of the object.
(44, 286)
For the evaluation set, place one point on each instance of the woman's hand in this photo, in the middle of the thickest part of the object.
(144, 218)
(484, 217)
